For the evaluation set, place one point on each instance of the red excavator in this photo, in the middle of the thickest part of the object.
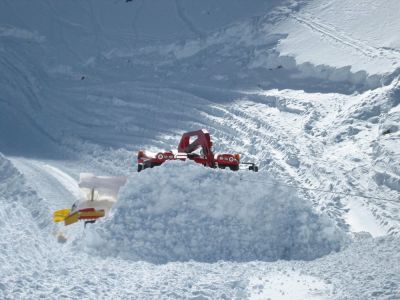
(196, 146)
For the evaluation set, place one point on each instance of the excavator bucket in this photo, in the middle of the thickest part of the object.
(60, 215)
(71, 219)
(84, 214)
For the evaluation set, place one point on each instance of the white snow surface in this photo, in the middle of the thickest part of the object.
(307, 89)
(360, 38)
(288, 286)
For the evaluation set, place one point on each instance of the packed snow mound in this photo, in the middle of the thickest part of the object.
(182, 212)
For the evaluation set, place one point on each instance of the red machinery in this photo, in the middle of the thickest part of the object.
(196, 146)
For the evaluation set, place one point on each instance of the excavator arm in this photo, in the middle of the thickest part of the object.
(187, 149)
(193, 140)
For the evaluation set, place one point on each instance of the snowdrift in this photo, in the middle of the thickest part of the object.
(182, 212)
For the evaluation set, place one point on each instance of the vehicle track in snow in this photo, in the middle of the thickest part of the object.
(186, 20)
(298, 157)
(333, 33)
(253, 129)
(56, 187)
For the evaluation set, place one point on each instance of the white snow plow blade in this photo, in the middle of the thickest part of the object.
(98, 194)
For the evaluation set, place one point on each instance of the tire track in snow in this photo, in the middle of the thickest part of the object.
(246, 127)
(50, 183)
(186, 20)
(257, 138)
(344, 39)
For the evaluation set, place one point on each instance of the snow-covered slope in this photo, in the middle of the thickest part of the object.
(354, 38)
(307, 89)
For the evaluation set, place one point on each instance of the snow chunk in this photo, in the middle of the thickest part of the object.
(180, 212)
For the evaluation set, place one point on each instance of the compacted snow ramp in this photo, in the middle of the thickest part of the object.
(186, 212)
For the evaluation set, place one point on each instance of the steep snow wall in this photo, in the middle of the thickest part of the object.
(180, 212)
(24, 226)
(16, 193)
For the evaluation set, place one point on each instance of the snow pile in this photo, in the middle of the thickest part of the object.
(180, 212)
